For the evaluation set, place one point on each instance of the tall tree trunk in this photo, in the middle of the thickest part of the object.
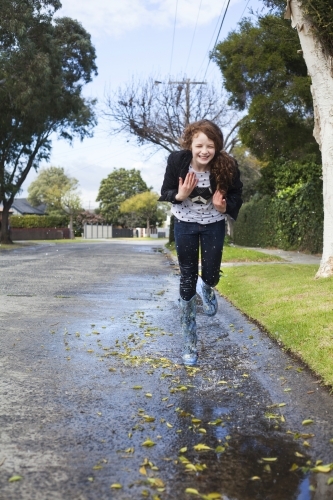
(71, 232)
(320, 69)
(148, 226)
(5, 235)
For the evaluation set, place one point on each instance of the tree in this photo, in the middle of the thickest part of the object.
(314, 24)
(50, 187)
(86, 217)
(44, 63)
(118, 186)
(157, 113)
(266, 76)
(142, 205)
(250, 169)
(57, 191)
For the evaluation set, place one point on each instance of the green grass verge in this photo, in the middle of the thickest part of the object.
(236, 254)
(14, 246)
(291, 305)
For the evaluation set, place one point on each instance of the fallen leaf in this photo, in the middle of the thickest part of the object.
(169, 425)
(201, 447)
(202, 430)
(14, 478)
(192, 491)
(143, 470)
(148, 443)
(116, 486)
(149, 395)
(183, 450)
(307, 422)
(322, 468)
(293, 467)
(269, 459)
(137, 387)
(219, 449)
(330, 481)
(212, 496)
(255, 478)
(299, 454)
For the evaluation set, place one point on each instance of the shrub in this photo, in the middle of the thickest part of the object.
(30, 221)
(293, 220)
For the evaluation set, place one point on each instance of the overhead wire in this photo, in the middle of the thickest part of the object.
(195, 29)
(218, 34)
(212, 37)
(173, 37)
(241, 17)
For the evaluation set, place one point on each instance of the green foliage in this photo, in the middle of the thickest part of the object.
(143, 209)
(118, 186)
(250, 169)
(44, 63)
(320, 13)
(51, 186)
(265, 75)
(291, 221)
(30, 221)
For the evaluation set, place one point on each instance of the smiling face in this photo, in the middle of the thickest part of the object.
(203, 151)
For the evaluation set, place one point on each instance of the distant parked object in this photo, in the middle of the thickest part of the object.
(21, 206)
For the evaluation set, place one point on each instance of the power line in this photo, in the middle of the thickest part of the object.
(248, 1)
(207, 52)
(225, 13)
(195, 29)
(173, 36)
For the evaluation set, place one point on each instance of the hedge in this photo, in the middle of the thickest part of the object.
(30, 221)
(293, 220)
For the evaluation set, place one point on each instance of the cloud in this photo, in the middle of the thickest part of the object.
(114, 18)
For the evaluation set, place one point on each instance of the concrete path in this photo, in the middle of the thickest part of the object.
(289, 257)
(95, 403)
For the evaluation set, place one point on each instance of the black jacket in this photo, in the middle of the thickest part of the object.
(178, 166)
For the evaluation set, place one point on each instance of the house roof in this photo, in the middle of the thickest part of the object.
(22, 206)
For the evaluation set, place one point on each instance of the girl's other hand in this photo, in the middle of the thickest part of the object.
(186, 187)
(219, 201)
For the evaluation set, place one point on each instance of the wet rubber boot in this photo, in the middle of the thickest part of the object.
(189, 330)
(207, 294)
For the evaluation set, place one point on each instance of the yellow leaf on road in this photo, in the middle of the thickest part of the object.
(201, 447)
(14, 478)
(307, 422)
(192, 491)
(116, 486)
(148, 443)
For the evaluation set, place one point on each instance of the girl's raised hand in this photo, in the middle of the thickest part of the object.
(219, 202)
(186, 187)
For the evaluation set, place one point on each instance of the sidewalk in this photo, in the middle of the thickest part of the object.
(290, 257)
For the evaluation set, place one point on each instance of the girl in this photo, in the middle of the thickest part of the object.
(203, 184)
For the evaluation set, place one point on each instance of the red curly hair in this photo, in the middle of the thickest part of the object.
(222, 166)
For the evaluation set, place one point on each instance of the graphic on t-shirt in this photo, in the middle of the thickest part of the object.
(201, 195)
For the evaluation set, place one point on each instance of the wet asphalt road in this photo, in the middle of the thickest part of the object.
(93, 393)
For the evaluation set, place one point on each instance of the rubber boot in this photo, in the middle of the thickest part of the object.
(189, 330)
(207, 294)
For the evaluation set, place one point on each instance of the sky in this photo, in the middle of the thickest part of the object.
(138, 38)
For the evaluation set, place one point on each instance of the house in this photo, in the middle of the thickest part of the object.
(21, 206)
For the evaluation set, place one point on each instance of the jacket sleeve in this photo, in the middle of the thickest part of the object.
(171, 181)
(234, 195)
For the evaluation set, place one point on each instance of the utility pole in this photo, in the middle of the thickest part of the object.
(187, 82)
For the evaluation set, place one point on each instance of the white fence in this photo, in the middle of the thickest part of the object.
(96, 231)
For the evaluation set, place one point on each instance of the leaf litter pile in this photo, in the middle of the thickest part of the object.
(206, 445)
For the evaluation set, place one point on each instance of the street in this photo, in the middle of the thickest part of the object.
(95, 403)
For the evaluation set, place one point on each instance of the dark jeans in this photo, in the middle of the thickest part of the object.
(189, 236)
